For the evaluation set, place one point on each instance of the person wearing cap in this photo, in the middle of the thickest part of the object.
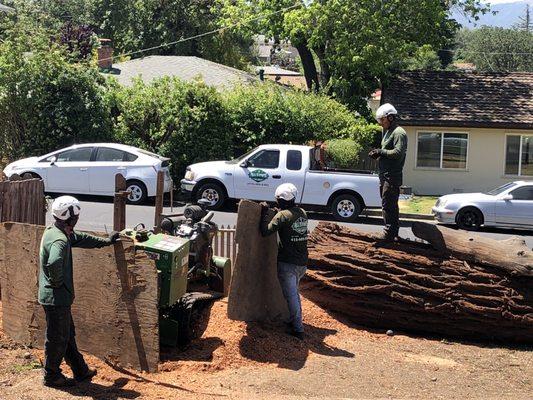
(291, 225)
(56, 291)
(391, 158)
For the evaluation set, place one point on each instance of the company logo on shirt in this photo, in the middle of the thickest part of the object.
(258, 175)
(300, 226)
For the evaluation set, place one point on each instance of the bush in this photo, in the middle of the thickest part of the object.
(343, 153)
(186, 122)
(267, 113)
(47, 103)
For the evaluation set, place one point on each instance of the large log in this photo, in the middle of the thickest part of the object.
(414, 287)
(115, 309)
(255, 293)
(512, 255)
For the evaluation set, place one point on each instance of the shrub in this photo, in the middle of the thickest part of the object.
(186, 122)
(343, 153)
(47, 103)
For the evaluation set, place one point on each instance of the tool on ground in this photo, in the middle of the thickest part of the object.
(190, 277)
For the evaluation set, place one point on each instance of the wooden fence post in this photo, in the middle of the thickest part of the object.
(159, 200)
(119, 203)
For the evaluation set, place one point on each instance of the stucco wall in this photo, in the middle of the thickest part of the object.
(485, 163)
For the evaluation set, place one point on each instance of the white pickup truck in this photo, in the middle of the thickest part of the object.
(256, 175)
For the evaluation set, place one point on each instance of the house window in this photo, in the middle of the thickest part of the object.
(519, 155)
(442, 150)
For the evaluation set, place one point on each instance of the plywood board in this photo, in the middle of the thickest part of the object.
(115, 310)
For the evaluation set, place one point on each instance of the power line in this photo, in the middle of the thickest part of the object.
(485, 52)
(219, 30)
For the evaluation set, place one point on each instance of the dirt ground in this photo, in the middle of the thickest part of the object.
(337, 360)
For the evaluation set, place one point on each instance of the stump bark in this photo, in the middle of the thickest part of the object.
(255, 293)
(419, 288)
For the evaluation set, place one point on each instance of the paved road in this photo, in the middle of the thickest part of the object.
(97, 215)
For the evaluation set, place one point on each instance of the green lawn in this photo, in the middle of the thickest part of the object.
(417, 205)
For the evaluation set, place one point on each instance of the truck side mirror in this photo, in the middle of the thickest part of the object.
(244, 164)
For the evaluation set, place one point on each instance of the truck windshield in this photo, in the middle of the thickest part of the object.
(240, 158)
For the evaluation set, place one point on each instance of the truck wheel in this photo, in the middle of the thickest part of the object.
(214, 193)
(346, 208)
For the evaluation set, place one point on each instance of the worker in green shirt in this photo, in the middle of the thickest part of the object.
(56, 291)
(391, 158)
(291, 225)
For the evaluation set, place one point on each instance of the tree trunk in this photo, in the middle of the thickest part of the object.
(308, 63)
(414, 287)
(325, 72)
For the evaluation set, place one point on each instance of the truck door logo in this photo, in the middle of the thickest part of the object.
(258, 175)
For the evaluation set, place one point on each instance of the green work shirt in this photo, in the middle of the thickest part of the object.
(392, 152)
(291, 226)
(56, 283)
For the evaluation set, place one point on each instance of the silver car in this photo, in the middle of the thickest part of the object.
(510, 206)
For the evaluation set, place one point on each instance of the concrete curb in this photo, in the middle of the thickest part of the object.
(377, 213)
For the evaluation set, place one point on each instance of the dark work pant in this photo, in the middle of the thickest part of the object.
(390, 194)
(60, 342)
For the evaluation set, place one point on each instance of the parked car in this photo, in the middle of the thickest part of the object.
(510, 205)
(91, 169)
(258, 173)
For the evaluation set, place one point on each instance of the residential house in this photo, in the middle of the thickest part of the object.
(187, 68)
(282, 76)
(467, 131)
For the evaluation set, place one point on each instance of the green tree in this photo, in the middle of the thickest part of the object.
(358, 44)
(496, 49)
(424, 58)
(46, 102)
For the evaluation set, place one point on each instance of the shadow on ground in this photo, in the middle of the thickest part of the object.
(269, 344)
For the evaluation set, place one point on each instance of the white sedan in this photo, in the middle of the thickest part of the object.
(510, 205)
(91, 169)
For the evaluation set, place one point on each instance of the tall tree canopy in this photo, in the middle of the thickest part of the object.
(347, 47)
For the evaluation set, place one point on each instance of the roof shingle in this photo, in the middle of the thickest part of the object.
(463, 99)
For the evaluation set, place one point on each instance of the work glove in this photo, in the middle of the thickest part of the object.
(375, 154)
(114, 236)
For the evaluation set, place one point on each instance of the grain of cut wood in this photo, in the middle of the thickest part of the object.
(416, 288)
(255, 293)
(115, 309)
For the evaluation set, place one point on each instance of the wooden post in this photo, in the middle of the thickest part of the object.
(159, 200)
(119, 203)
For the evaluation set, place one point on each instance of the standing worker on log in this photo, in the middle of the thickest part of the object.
(391, 161)
(291, 225)
(56, 291)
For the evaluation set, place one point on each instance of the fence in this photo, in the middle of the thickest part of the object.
(23, 201)
(224, 244)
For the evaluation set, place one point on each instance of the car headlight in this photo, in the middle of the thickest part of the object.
(189, 175)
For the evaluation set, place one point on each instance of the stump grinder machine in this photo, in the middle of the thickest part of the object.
(190, 277)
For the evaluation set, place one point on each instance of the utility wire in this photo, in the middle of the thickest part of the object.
(219, 30)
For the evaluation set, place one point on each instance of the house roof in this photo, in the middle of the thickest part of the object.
(463, 99)
(273, 70)
(187, 68)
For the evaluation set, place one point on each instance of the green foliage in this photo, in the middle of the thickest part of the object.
(344, 153)
(496, 49)
(183, 121)
(45, 102)
(424, 58)
(271, 114)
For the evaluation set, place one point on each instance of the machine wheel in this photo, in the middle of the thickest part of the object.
(469, 218)
(346, 208)
(138, 192)
(192, 314)
(214, 193)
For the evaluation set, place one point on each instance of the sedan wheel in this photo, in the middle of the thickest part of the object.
(469, 219)
(137, 192)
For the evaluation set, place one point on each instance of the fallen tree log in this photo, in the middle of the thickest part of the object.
(512, 255)
(416, 288)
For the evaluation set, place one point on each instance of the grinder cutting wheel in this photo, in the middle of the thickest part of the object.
(190, 277)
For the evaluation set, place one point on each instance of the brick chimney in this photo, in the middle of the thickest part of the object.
(105, 54)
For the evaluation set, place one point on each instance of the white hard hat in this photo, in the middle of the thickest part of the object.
(286, 191)
(65, 207)
(385, 110)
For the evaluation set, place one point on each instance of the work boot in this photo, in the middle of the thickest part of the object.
(87, 376)
(297, 334)
(59, 382)
(386, 237)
